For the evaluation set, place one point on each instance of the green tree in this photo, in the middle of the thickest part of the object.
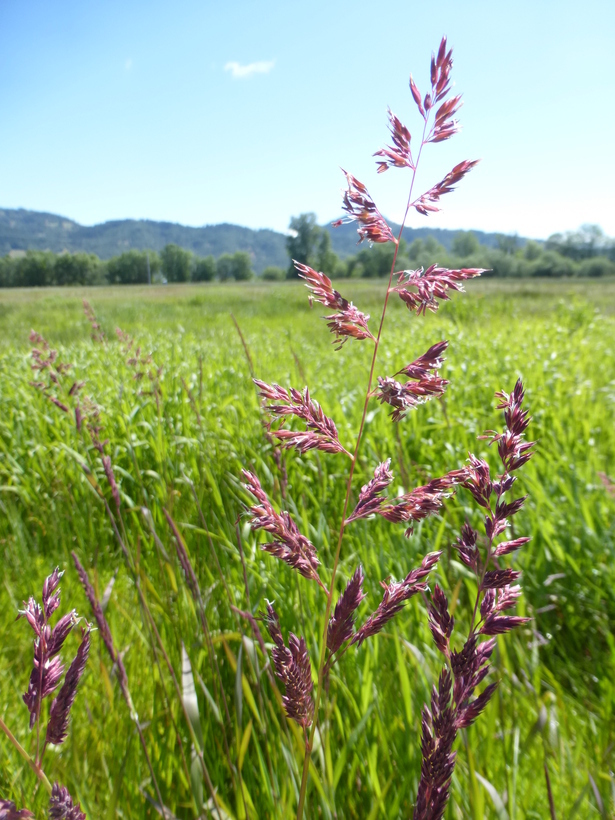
(532, 250)
(464, 244)
(234, 266)
(76, 268)
(8, 270)
(224, 267)
(597, 266)
(273, 274)
(552, 264)
(130, 268)
(35, 269)
(176, 263)
(507, 243)
(304, 241)
(325, 258)
(204, 269)
(242, 266)
(377, 260)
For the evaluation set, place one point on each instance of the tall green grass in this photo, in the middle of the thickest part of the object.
(184, 453)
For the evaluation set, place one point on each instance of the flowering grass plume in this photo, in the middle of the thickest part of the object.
(62, 807)
(348, 322)
(413, 506)
(456, 701)
(288, 544)
(105, 632)
(395, 596)
(8, 811)
(455, 704)
(426, 203)
(48, 667)
(399, 155)
(341, 624)
(426, 383)
(292, 666)
(321, 432)
(361, 208)
(421, 289)
(98, 334)
(47, 365)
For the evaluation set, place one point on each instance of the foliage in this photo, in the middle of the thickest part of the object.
(204, 269)
(465, 244)
(176, 263)
(587, 242)
(131, 268)
(566, 256)
(273, 274)
(236, 266)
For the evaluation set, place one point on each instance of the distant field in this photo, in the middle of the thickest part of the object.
(557, 697)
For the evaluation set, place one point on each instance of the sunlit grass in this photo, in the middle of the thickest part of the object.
(556, 700)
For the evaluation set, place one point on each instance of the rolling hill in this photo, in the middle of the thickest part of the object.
(22, 229)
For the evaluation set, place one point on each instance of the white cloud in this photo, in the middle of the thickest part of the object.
(239, 71)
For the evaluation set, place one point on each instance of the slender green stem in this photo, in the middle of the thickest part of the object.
(323, 649)
(31, 763)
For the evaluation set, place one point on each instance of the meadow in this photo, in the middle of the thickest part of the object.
(179, 436)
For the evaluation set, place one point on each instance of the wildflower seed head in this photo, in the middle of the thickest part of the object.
(8, 811)
(341, 623)
(361, 208)
(292, 666)
(348, 322)
(59, 714)
(321, 433)
(421, 289)
(61, 806)
(288, 544)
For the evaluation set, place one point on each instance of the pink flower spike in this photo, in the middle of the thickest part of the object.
(321, 433)
(416, 95)
(425, 203)
(288, 544)
(348, 322)
(430, 285)
(370, 498)
(361, 208)
(400, 156)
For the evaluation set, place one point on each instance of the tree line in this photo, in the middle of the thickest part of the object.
(172, 264)
(585, 253)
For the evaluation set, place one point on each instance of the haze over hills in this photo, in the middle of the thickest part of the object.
(22, 230)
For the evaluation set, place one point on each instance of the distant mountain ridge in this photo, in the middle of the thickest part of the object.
(21, 229)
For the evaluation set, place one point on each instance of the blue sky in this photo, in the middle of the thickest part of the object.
(243, 112)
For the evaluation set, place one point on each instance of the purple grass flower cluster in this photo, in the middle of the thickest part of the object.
(348, 322)
(47, 672)
(320, 432)
(454, 705)
(292, 667)
(288, 544)
(456, 701)
(62, 807)
(98, 334)
(48, 668)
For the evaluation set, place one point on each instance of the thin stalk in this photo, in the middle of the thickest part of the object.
(323, 649)
(31, 763)
(154, 628)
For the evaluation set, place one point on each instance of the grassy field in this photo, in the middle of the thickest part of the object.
(179, 443)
